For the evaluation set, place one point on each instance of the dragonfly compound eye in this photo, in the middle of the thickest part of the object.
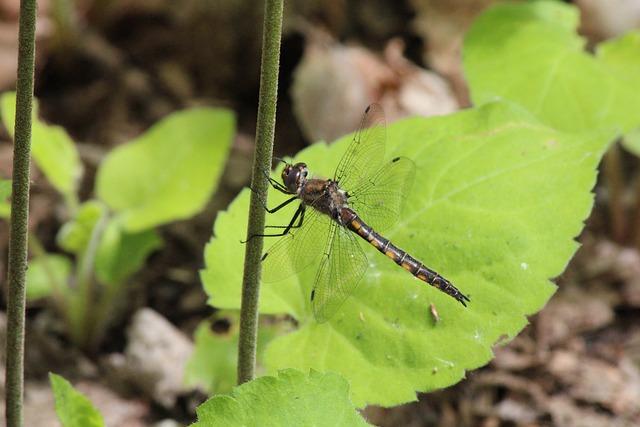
(291, 178)
(285, 173)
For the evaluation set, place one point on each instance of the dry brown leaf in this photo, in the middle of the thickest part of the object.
(443, 24)
(9, 10)
(334, 83)
(565, 412)
(570, 314)
(593, 380)
(605, 19)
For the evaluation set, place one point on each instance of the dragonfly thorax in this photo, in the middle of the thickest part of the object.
(324, 195)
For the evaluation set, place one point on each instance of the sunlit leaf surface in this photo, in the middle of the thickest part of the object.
(290, 399)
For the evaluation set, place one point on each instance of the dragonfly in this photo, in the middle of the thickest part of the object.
(364, 198)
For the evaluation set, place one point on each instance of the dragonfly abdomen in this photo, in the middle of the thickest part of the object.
(399, 256)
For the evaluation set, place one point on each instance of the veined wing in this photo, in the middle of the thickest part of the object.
(342, 266)
(366, 152)
(298, 250)
(380, 198)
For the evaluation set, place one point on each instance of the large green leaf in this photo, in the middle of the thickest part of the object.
(170, 171)
(290, 399)
(530, 53)
(497, 202)
(72, 407)
(5, 192)
(47, 274)
(52, 149)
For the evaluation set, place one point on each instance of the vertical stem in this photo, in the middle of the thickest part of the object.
(20, 216)
(272, 30)
(615, 183)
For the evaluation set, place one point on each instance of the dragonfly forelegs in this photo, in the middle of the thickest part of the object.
(275, 184)
(299, 216)
(280, 206)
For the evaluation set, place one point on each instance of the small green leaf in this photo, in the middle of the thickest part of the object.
(169, 172)
(122, 253)
(530, 53)
(75, 234)
(290, 399)
(52, 148)
(46, 274)
(497, 202)
(72, 407)
(214, 362)
(5, 193)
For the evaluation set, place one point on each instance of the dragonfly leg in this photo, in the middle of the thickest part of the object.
(260, 196)
(275, 184)
(298, 225)
(281, 188)
(299, 215)
(277, 208)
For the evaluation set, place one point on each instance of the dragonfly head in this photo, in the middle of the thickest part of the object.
(294, 176)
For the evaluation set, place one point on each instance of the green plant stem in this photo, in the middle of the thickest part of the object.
(72, 202)
(82, 307)
(104, 311)
(272, 32)
(20, 216)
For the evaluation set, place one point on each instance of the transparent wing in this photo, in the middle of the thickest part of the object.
(342, 266)
(297, 250)
(380, 198)
(366, 151)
